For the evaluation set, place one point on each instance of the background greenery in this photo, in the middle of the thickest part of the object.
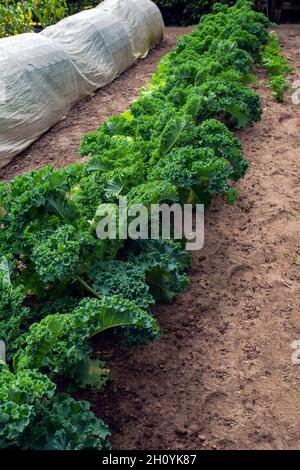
(23, 16)
(26, 15)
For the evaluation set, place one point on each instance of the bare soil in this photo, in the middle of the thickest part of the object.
(221, 377)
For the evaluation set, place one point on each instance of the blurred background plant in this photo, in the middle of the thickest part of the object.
(187, 12)
(27, 15)
(24, 16)
(74, 6)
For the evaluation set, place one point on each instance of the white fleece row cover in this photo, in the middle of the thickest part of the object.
(42, 76)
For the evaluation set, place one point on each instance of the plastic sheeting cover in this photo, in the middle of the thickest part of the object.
(39, 85)
(142, 19)
(98, 44)
(42, 76)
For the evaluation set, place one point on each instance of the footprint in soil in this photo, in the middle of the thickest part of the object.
(239, 271)
(214, 398)
(290, 123)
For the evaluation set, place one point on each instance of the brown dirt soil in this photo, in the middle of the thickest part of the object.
(60, 146)
(222, 377)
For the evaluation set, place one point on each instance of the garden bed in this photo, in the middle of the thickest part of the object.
(62, 286)
(221, 377)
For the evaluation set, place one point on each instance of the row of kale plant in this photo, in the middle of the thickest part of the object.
(60, 285)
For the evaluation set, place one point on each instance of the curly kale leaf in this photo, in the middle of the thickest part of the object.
(171, 134)
(196, 170)
(152, 192)
(65, 424)
(91, 373)
(60, 342)
(19, 395)
(217, 97)
(163, 263)
(228, 55)
(123, 278)
(33, 418)
(13, 316)
(215, 135)
(61, 256)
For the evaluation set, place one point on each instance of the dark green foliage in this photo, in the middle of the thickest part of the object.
(65, 424)
(214, 135)
(62, 255)
(59, 342)
(163, 264)
(232, 195)
(186, 12)
(88, 194)
(246, 41)
(228, 55)
(75, 6)
(13, 316)
(153, 192)
(175, 12)
(171, 134)
(49, 305)
(220, 97)
(32, 417)
(19, 396)
(194, 169)
(121, 278)
(91, 373)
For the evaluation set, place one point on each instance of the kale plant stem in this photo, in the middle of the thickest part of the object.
(87, 287)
